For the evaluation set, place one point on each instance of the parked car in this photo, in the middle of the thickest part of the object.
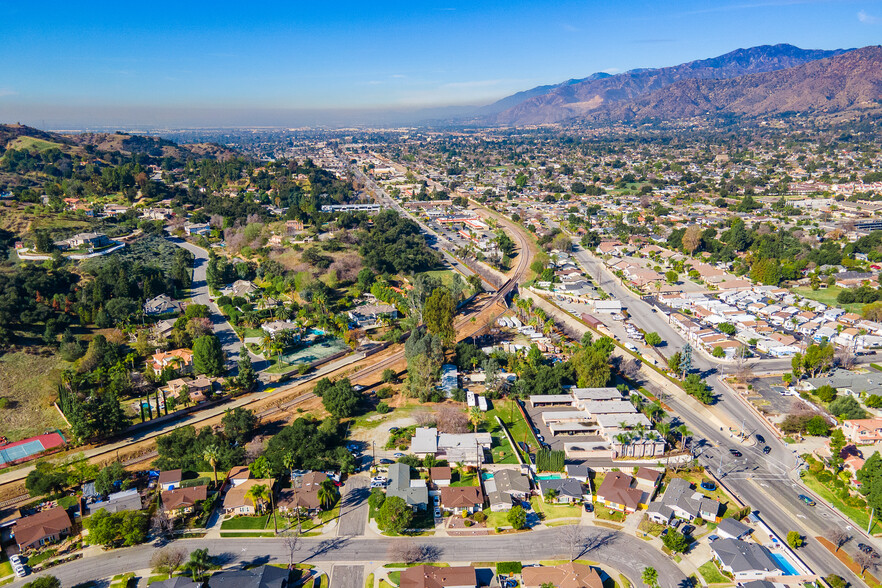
(767, 450)
(436, 500)
(709, 486)
(589, 507)
(398, 454)
(387, 461)
(676, 523)
(712, 538)
(687, 529)
(437, 513)
(807, 500)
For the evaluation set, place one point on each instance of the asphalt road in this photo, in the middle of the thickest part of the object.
(766, 482)
(614, 549)
(228, 338)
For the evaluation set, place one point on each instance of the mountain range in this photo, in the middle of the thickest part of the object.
(757, 82)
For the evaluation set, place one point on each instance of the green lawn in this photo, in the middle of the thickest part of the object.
(858, 515)
(516, 425)
(395, 577)
(556, 511)
(607, 514)
(123, 580)
(465, 479)
(826, 296)
(496, 519)
(244, 522)
(5, 569)
(41, 557)
(712, 574)
(252, 534)
(369, 582)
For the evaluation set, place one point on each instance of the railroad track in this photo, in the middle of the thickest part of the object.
(460, 324)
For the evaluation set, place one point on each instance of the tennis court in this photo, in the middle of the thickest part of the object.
(27, 447)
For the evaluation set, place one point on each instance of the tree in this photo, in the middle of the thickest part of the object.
(238, 424)
(120, 528)
(108, 477)
(45, 478)
(167, 560)
(573, 538)
(650, 577)
(389, 376)
(795, 540)
(476, 417)
(727, 328)
(817, 358)
(44, 582)
(837, 537)
(698, 389)
(341, 399)
(394, 515)
(674, 361)
(718, 352)
(836, 581)
(291, 541)
(327, 494)
(865, 561)
(246, 379)
(517, 517)
(199, 563)
(847, 407)
(685, 360)
(671, 277)
(826, 393)
(676, 541)
(438, 314)
(208, 356)
(837, 442)
(653, 339)
(692, 238)
(211, 454)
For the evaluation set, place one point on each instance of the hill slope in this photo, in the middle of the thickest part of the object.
(592, 95)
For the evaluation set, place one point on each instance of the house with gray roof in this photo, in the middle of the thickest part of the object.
(745, 560)
(680, 500)
(415, 493)
(732, 529)
(505, 487)
(259, 577)
(118, 502)
(567, 489)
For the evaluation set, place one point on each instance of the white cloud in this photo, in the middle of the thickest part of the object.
(868, 18)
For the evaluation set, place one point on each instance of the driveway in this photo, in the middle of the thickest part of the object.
(353, 506)
(228, 338)
(347, 576)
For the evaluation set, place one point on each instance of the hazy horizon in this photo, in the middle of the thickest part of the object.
(294, 64)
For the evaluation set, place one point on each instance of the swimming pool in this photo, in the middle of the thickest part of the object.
(486, 476)
(784, 564)
(549, 477)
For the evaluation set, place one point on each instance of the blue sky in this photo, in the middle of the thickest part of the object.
(63, 58)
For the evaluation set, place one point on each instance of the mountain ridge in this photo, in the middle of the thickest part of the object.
(565, 102)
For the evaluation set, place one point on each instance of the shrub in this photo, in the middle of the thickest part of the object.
(468, 523)
(824, 477)
(479, 517)
(509, 567)
(795, 540)
(196, 482)
(383, 408)
(384, 393)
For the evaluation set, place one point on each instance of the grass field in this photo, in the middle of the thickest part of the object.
(236, 523)
(712, 574)
(607, 514)
(517, 426)
(858, 515)
(29, 383)
(465, 479)
(555, 511)
(31, 144)
(826, 296)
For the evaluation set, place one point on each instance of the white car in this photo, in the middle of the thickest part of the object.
(20, 570)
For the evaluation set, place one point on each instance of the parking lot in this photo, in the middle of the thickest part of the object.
(774, 401)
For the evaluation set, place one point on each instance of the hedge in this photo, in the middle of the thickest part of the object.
(509, 567)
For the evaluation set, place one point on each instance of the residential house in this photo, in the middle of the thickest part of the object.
(863, 431)
(176, 582)
(303, 493)
(616, 493)
(568, 575)
(680, 500)
(237, 503)
(242, 288)
(84, 241)
(413, 491)
(46, 526)
(169, 479)
(745, 560)
(462, 499)
(436, 577)
(564, 489)
(577, 471)
(273, 328)
(440, 476)
(162, 304)
(264, 576)
(177, 359)
(732, 529)
(118, 502)
(238, 474)
(370, 315)
(506, 487)
(197, 229)
(183, 500)
(163, 329)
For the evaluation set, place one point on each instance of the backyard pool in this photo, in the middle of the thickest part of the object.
(784, 564)
(549, 476)
(486, 476)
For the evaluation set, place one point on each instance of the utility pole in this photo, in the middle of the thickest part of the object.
(870, 524)
(720, 469)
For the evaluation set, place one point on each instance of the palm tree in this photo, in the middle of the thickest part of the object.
(289, 461)
(199, 562)
(257, 494)
(476, 417)
(664, 429)
(685, 433)
(327, 494)
(212, 455)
